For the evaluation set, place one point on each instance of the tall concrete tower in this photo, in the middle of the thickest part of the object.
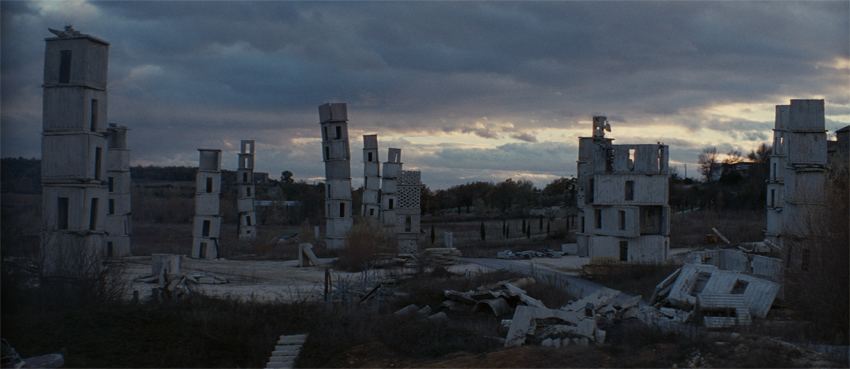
(371, 178)
(333, 118)
(245, 202)
(389, 190)
(408, 215)
(118, 215)
(73, 150)
(796, 187)
(207, 226)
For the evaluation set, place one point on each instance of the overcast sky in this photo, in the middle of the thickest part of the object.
(468, 90)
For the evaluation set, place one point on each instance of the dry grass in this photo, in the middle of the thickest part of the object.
(689, 229)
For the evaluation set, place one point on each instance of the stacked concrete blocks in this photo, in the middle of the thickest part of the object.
(389, 191)
(622, 198)
(408, 212)
(73, 151)
(207, 225)
(796, 186)
(333, 118)
(247, 227)
(371, 208)
(118, 224)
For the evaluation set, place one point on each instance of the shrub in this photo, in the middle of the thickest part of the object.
(366, 239)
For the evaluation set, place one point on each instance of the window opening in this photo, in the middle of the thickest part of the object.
(624, 250)
(699, 284)
(248, 220)
(325, 133)
(109, 248)
(630, 191)
(110, 182)
(632, 157)
(371, 211)
(202, 252)
(772, 198)
(622, 217)
(245, 177)
(247, 191)
(342, 210)
(338, 132)
(94, 116)
(391, 204)
(590, 192)
(739, 287)
(598, 218)
(209, 188)
(111, 206)
(65, 66)
(93, 215)
(98, 158)
(370, 157)
(62, 213)
(205, 231)
(327, 153)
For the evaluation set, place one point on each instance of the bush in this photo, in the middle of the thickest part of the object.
(366, 239)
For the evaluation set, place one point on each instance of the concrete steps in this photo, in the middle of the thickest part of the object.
(286, 351)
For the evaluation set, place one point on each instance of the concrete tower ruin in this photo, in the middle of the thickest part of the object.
(408, 215)
(119, 222)
(247, 227)
(389, 190)
(371, 208)
(333, 118)
(796, 187)
(622, 199)
(73, 150)
(207, 225)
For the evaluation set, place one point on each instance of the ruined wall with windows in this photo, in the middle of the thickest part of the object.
(118, 223)
(207, 225)
(371, 208)
(73, 152)
(247, 226)
(389, 191)
(622, 198)
(333, 118)
(796, 186)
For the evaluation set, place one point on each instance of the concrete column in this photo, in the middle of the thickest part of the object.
(119, 222)
(207, 225)
(333, 120)
(247, 226)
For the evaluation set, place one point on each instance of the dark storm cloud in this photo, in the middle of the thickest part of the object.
(207, 72)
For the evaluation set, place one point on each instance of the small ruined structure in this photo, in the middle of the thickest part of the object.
(119, 222)
(73, 151)
(795, 188)
(371, 208)
(247, 226)
(622, 199)
(408, 214)
(389, 191)
(333, 118)
(207, 206)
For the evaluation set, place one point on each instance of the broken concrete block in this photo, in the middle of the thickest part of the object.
(598, 298)
(546, 343)
(521, 325)
(584, 341)
(441, 316)
(407, 310)
(627, 303)
(424, 311)
(498, 306)
(600, 336)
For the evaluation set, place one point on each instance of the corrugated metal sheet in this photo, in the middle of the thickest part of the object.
(734, 304)
(759, 293)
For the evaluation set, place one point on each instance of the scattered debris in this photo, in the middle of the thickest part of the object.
(292, 236)
(306, 250)
(442, 255)
(11, 359)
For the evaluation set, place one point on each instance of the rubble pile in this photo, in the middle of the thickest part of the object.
(442, 255)
(575, 324)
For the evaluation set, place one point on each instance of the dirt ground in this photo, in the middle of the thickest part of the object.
(281, 281)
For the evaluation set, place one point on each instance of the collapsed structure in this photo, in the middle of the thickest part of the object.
(207, 206)
(795, 189)
(119, 221)
(622, 199)
(247, 226)
(333, 118)
(73, 150)
(371, 208)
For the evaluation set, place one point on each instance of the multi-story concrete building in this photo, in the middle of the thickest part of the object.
(333, 118)
(371, 208)
(207, 225)
(73, 151)
(622, 199)
(389, 191)
(795, 189)
(119, 222)
(247, 226)
(408, 213)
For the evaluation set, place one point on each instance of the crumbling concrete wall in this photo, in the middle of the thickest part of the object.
(73, 153)
(622, 197)
(371, 208)
(795, 188)
(333, 119)
(118, 223)
(247, 226)
(207, 225)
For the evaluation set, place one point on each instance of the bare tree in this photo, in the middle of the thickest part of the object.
(707, 160)
(733, 157)
(761, 154)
